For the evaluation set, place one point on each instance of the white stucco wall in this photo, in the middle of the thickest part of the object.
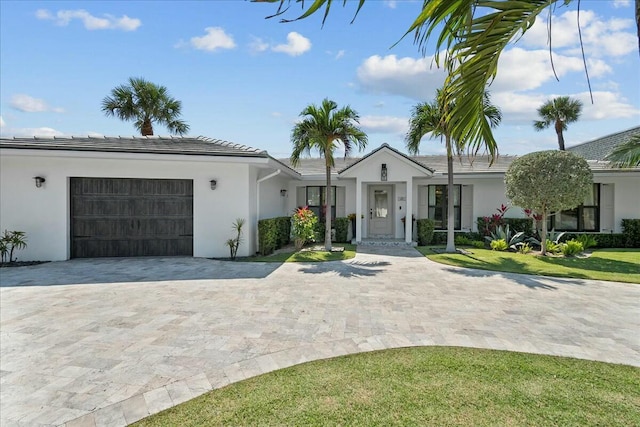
(43, 213)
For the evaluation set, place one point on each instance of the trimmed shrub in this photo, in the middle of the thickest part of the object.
(610, 240)
(268, 236)
(631, 232)
(342, 229)
(478, 244)
(587, 240)
(273, 233)
(425, 231)
(520, 224)
(462, 240)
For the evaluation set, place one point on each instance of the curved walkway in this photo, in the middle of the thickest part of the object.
(107, 342)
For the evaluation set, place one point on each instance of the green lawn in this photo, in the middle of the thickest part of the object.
(621, 265)
(308, 256)
(424, 386)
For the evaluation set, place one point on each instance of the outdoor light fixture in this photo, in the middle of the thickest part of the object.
(283, 192)
(39, 181)
(213, 183)
(383, 172)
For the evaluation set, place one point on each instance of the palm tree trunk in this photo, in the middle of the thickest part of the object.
(327, 207)
(451, 247)
(543, 238)
(147, 128)
(560, 136)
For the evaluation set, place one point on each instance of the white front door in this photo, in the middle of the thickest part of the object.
(381, 211)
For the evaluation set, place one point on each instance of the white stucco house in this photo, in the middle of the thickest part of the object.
(152, 196)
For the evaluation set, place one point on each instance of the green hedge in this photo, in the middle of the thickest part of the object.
(605, 240)
(273, 233)
(342, 229)
(631, 232)
(515, 224)
(425, 231)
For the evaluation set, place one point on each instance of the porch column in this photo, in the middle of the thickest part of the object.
(408, 223)
(358, 235)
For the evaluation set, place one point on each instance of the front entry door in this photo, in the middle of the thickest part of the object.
(380, 211)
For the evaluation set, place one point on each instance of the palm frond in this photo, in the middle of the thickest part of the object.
(626, 155)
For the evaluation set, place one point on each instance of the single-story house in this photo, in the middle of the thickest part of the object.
(166, 196)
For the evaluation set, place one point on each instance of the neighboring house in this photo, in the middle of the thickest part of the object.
(154, 196)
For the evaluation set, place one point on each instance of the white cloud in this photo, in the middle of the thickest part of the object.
(340, 54)
(296, 45)
(414, 78)
(612, 37)
(606, 105)
(258, 45)
(90, 22)
(621, 3)
(520, 69)
(44, 132)
(2, 123)
(379, 104)
(214, 39)
(391, 4)
(384, 124)
(276, 114)
(29, 104)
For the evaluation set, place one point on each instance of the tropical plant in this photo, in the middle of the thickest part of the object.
(145, 103)
(9, 242)
(234, 243)
(463, 241)
(587, 240)
(626, 155)
(470, 35)
(322, 128)
(552, 247)
(548, 181)
(524, 248)
(572, 247)
(499, 245)
(303, 223)
(478, 244)
(433, 118)
(558, 112)
(488, 224)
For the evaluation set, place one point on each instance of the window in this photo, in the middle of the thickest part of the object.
(585, 217)
(316, 200)
(438, 206)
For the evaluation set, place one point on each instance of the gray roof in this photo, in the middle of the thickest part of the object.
(599, 148)
(138, 144)
(437, 163)
(411, 159)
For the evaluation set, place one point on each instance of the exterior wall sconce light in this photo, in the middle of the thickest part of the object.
(213, 183)
(383, 172)
(283, 192)
(39, 181)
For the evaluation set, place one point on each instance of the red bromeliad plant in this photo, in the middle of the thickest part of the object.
(489, 224)
(536, 219)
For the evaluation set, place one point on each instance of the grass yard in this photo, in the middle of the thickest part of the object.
(424, 386)
(621, 265)
(308, 256)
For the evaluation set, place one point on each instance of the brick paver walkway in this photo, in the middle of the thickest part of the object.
(107, 342)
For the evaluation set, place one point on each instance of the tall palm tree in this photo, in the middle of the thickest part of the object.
(472, 33)
(145, 103)
(323, 128)
(626, 155)
(558, 112)
(432, 118)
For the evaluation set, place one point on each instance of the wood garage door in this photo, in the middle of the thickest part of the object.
(117, 217)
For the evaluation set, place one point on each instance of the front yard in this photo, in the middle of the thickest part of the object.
(620, 265)
(424, 386)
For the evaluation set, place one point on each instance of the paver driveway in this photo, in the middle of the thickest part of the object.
(106, 342)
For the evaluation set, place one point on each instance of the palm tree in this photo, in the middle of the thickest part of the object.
(558, 112)
(432, 118)
(472, 34)
(626, 155)
(145, 103)
(323, 128)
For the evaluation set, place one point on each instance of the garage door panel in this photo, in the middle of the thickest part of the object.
(131, 217)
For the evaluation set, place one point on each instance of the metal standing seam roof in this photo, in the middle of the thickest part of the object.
(137, 144)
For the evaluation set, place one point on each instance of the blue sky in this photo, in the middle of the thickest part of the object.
(245, 79)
